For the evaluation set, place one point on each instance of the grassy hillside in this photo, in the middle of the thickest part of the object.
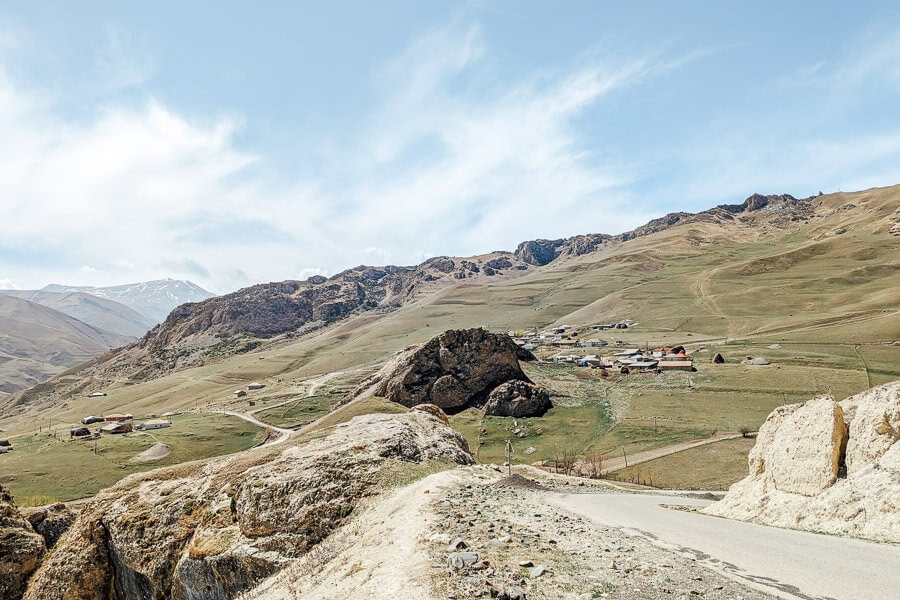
(820, 298)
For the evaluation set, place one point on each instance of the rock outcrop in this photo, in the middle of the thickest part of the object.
(455, 370)
(51, 522)
(215, 529)
(826, 466)
(518, 399)
(21, 548)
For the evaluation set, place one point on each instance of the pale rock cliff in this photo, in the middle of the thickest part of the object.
(826, 466)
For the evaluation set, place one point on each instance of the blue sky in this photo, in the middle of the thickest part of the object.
(234, 142)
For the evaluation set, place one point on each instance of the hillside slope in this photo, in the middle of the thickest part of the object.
(98, 312)
(37, 342)
(823, 270)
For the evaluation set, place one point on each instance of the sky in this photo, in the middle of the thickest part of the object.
(233, 143)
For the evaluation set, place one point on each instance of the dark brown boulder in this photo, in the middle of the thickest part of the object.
(455, 370)
(21, 549)
(518, 399)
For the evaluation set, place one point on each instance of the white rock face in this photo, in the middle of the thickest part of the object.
(826, 466)
(805, 450)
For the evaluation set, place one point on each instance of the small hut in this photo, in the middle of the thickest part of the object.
(718, 359)
(757, 361)
(117, 428)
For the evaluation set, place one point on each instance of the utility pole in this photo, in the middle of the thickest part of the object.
(625, 457)
(509, 451)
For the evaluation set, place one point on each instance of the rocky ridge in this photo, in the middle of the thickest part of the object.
(196, 333)
(459, 369)
(826, 466)
(776, 209)
(217, 528)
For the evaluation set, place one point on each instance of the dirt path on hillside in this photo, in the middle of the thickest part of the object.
(704, 297)
(400, 546)
(281, 436)
(312, 386)
(619, 463)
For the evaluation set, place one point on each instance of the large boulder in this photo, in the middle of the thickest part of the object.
(21, 549)
(806, 450)
(215, 529)
(518, 399)
(51, 521)
(826, 466)
(454, 370)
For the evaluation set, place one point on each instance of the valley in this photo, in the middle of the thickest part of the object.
(822, 308)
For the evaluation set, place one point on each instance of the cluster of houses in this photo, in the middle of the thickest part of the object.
(567, 339)
(115, 424)
(564, 336)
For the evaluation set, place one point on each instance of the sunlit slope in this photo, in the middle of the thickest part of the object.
(748, 282)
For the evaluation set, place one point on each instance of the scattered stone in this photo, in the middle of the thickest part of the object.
(457, 544)
(461, 560)
(515, 593)
(526, 563)
(537, 571)
(500, 542)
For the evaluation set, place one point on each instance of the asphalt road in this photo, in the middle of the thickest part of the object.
(787, 563)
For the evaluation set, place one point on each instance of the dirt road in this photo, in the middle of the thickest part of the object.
(618, 463)
(790, 564)
(283, 434)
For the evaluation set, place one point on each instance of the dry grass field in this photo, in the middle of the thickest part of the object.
(823, 307)
(45, 468)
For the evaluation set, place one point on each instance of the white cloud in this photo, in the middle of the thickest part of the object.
(8, 284)
(144, 191)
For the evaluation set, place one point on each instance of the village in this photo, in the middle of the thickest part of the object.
(562, 345)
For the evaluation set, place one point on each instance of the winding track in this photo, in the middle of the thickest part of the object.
(786, 563)
(283, 434)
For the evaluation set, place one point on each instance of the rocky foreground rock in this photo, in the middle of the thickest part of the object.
(826, 466)
(215, 529)
(459, 369)
(21, 548)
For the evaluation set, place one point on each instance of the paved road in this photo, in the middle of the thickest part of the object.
(790, 564)
(618, 463)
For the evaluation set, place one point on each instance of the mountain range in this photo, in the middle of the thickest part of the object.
(45, 332)
(771, 263)
(155, 299)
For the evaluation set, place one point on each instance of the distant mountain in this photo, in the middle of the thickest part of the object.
(155, 299)
(98, 312)
(37, 342)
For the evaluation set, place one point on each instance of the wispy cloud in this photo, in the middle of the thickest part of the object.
(437, 164)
